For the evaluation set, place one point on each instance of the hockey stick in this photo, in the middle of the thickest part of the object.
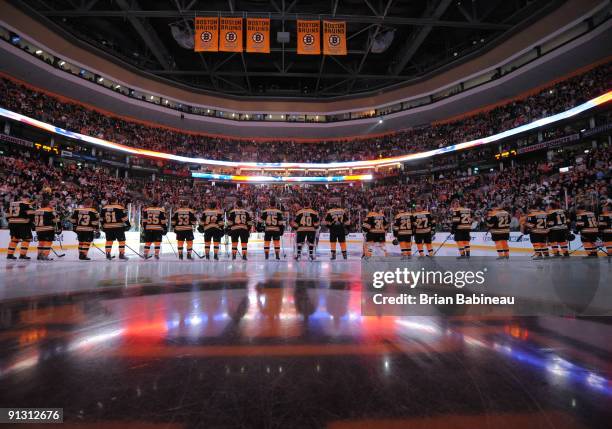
(316, 244)
(573, 251)
(282, 243)
(224, 242)
(197, 254)
(601, 249)
(139, 254)
(295, 246)
(205, 246)
(57, 238)
(365, 247)
(440, 246)
(58, 254)
(226, 235)
(101, 251)
(171, 246)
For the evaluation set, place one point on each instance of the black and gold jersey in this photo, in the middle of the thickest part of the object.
(336, 218)
(375, 223)
(498, 221)
(462, 218)
(184, 219)
(605, 222)
(272, 219)
(402, 224)
(557, 219)
(306, 220)
(21, 212)
(239, 219)
(154, 219)
(46, 220)
(537, 222)
(212, 219)
(422, 222)
(586, 222)
(85, 219)
(113, 216)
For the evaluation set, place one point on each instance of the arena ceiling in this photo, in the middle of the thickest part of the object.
(390, 42)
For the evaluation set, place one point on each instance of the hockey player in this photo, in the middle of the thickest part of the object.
(424, 228)
(536, 226)
(461, 228)
(47, 224)
(605, 226)
(240, 222)
(86, 221)
(337, 221)
(586, 225)
(212, 225)
(306, 223)
(114, 222)
(498, 222)
(375, 225)
(402, 231)
(183, 222)
(274, 227)
(558, 230)
(155, 225)
(21, 224)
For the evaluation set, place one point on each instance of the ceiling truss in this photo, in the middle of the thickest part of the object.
(440, 23)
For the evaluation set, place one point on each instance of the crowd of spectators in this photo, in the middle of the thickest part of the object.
(517, 188)
(554, 99)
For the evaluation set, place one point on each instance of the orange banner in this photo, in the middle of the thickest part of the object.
(308, 37)
(230, 35)
(206, 34)
(334, 38)
(258, 35)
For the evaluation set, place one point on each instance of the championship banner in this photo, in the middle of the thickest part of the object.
(308, 35)
(206, 34)
(258, 35)
(334, 38)
(230, 35)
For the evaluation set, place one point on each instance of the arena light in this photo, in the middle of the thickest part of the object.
(281, 179)
(602, 99)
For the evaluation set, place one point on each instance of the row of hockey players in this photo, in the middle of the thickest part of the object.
(548, 229)
(112, 219)
(545, 228)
